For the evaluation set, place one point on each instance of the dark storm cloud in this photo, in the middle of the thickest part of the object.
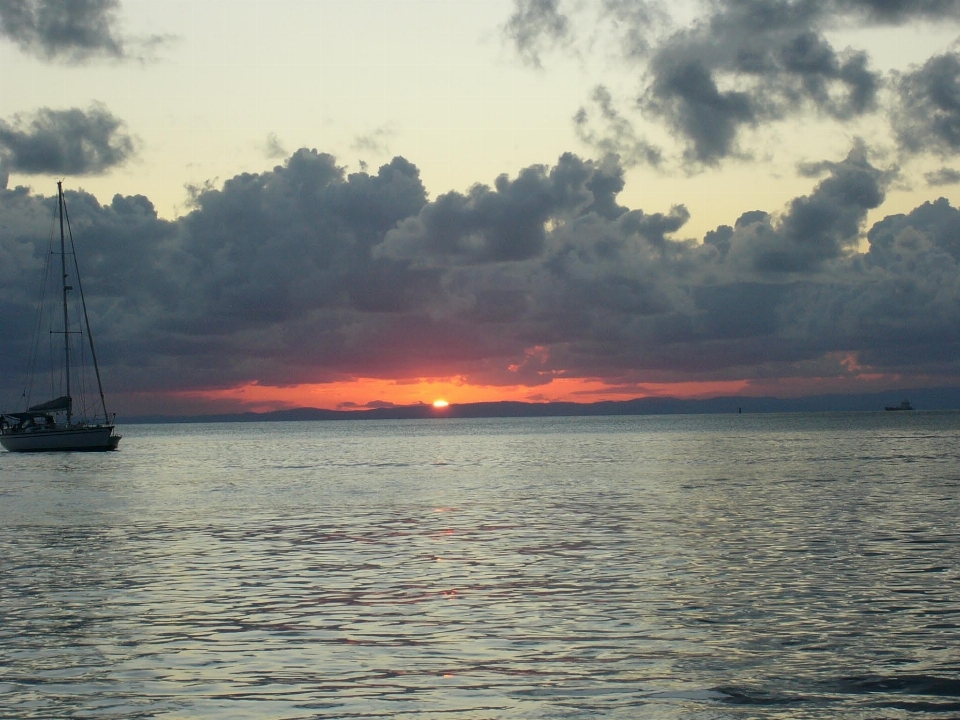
(928, 117)
(686, 93)
(280, 263)
(270, 246)
(305, 273)
(819, 227)
(752, 62)
(74, 142)
(267, 275)
(68, 30)
(898, 303)
(938, 223)
(504, 223)
(741, 65)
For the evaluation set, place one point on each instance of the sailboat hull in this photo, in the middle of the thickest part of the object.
(79, 439)
(51, 426)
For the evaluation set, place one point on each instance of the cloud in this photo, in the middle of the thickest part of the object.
(896, 12)
(305, 273)
(617, 136)
(273, 148)
(686, 94)
(816, 228)
(896, 304)
(376, 141)
(738, 66)
(928, 116)
(67, 142)
(71, 31)
(752, 63)
(507, 222)
(937, 222)
(534, 24)
(943, 176)
(635, 23)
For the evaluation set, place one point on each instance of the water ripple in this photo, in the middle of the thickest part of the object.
(618, 567)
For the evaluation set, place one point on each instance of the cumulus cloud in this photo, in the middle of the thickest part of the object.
(305, 273)
(69, 31)
(816, 228)
(897, 303)
(71, 142)
(505, 223)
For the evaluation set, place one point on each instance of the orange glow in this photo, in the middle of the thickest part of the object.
(851, 362)
(363, 393)
(440, 403)
(842, 374)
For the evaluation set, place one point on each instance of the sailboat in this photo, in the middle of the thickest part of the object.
(56, 425)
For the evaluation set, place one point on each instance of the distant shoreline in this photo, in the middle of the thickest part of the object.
(922, 399)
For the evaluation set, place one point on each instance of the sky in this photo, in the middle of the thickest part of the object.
(359, 203)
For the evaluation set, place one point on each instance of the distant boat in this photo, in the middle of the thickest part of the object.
(905, 405)
(53, 425)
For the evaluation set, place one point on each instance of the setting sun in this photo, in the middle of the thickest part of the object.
(440, 403)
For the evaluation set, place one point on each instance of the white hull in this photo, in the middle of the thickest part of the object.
(95, 438)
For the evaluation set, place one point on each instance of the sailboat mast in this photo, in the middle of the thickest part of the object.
(66, 320)
(86, 315)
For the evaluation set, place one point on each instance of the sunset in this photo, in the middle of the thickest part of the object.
(389, 202)
(463, 359)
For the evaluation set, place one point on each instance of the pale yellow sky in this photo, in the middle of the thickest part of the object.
(237, 86)
(432, 80)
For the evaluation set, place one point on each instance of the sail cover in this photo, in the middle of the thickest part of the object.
(60, 404)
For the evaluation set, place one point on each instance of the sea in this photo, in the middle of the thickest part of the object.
(687, 566)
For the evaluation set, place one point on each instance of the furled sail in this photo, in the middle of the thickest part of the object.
(61, 404)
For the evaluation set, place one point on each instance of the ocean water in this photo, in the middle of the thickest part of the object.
(755, 566)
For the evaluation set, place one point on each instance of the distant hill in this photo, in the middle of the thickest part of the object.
(922, 399)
